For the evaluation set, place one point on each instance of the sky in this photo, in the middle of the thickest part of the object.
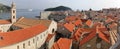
(74, 4)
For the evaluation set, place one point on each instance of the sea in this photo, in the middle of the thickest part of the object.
(22, 12)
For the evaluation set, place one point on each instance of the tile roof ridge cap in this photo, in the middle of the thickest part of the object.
(21, 18)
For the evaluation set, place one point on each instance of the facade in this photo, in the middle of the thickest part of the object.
(50, 41)
(5, 27)
(45, 14)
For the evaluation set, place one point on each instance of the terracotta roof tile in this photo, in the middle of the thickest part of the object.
(55, 46)
(69, 26)
(89, 23)
(16, 36)
(5, 22)
(81, 31)
(27, 22)
(49, 37)
(63, 43)
(71, 18)
(89, 37)
(101, 32)
(78, 22)
(104, 37)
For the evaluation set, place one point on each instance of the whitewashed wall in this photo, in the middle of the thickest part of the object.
(5, 27)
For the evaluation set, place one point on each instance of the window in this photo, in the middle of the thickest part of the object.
(13, 11)
(33, 40)
(53, 30)
(41, 36)
(23, 45)
(98, 45)
(37, 38)
(29, 43)
(44, 34)
(18, 47)
(13, 17)
(88, 45)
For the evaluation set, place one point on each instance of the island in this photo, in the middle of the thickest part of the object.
(59, 8)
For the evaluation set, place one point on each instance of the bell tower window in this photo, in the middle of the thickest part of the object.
(13, 17)
(13, 11)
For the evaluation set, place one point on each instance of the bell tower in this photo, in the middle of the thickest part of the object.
(13, 12)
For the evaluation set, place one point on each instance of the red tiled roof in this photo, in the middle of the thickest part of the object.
(71, 18)
(81, 31)
(55, 46)
(49, 37)
(63, 43)
(104, 37)
(100, 32)
(89, 23)
(27, 22)
(17, 36)
(78, 22)
(69, 26)
(5, 22)
(77, 34)
(89, 37)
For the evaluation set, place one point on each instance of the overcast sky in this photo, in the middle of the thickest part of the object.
(74, 4)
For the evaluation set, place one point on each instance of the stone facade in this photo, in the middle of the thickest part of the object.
(5, 27)
(45, 14)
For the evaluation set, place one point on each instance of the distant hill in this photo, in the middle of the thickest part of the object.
(4, 8)
(59, 8)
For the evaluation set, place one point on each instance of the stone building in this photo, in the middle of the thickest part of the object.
(45, 14)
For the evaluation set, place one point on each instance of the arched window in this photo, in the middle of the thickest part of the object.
(23, 45)
(13, 17)
(29, 43)
(37, 38)
(18, 47)
(13, 11)
(53, 30)
(33, 40)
